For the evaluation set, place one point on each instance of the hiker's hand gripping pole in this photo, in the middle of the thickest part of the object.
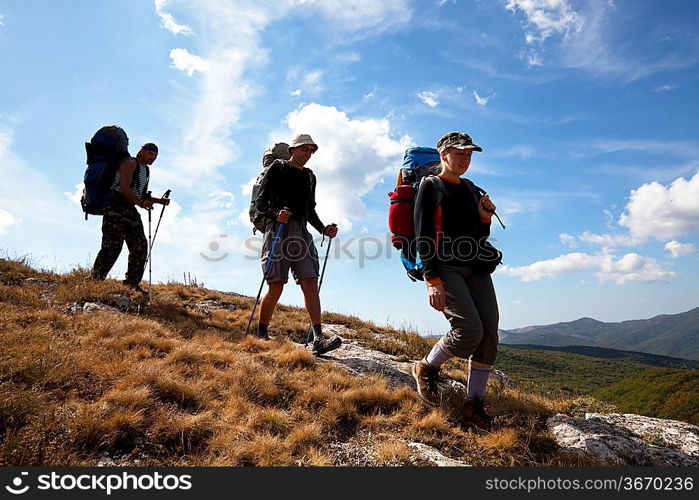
(320, 283)
(270, 258)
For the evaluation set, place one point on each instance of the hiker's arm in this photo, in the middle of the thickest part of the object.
(267, 186)
(313, 218)
(126, 171)
(486, 209)
(425, 229)
(315, 221)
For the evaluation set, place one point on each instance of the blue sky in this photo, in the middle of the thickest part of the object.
(586, 110)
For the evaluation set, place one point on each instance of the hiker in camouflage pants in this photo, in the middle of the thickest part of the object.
(122, 222)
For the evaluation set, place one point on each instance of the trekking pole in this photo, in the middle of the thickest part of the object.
(150, 267)
(150, 246)
(270, 257)
(320, 283)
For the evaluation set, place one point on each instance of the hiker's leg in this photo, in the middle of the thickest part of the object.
(138, 249)
(309, 287)
(466, 331)
(112, 242)
(483, 294)
(303, 259)
(269, 301)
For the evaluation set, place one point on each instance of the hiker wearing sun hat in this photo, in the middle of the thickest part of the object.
(458, 274)
(287, 196)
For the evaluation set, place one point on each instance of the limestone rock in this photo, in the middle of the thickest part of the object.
(629, 439)
(434, 456)
(92, 307)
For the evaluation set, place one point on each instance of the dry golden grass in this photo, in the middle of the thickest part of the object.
(177, 384)
(393, 452)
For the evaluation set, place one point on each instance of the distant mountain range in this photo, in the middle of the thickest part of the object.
(675, 335)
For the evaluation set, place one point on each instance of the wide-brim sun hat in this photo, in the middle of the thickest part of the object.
(303, 140)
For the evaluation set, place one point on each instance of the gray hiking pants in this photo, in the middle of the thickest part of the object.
(472, 311)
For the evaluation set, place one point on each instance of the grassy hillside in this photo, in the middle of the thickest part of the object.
(616, 354)
(175, 383)
(623, 379)
(658, 393)
(561, 372)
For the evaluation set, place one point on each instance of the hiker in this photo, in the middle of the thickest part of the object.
(122, 222)
(457, 266)
(287, 196)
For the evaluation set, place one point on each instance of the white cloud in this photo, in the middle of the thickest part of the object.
(371, 94)
(481, 101)
(610, 240)
(222, 199)
(362, 16)
(663, 212)
(75, 195)
(7, 219)
(572, 262)
(630, 267)
(168, 21)
(305, 81)
(547, 17)
(352, 158)
(664, 88)
(429, 98)
(183, 60)
(568, 240)
(678, 249)
(246, 188)
(2, 20)
(532, 57)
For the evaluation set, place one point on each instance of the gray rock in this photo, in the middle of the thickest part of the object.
(214, 304)
(628, 439)
(433, 455)
(123, 302)
(92, 307)
(40, 282)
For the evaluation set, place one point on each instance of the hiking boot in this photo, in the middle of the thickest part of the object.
(426, 377)
(474, 413)
(322, 346)
(262, 336)
(134, 286)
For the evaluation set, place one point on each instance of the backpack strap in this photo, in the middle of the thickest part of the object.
(441, 192)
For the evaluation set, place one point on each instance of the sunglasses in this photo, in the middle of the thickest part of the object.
(307, 149)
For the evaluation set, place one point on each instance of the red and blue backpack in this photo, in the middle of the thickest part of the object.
(418, 164)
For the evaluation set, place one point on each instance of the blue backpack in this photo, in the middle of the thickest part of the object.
(418, 164)
(105, 151)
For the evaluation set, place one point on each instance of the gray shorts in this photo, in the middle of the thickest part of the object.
(295, 250)
(472, 311)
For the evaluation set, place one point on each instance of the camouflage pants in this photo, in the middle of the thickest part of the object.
(122, 223)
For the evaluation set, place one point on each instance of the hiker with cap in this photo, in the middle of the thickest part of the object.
(287, 196)
(457, 262)
(122, 222)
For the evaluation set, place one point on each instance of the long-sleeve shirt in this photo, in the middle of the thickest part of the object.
(287, 186)
(462, 235)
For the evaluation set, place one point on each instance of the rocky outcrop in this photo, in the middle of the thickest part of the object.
(434, 456)
(629, 439)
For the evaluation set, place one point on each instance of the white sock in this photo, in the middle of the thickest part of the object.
(438, 356)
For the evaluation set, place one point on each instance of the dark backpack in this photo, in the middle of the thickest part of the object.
(105, 151)
(418, 164)
(278, 151)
